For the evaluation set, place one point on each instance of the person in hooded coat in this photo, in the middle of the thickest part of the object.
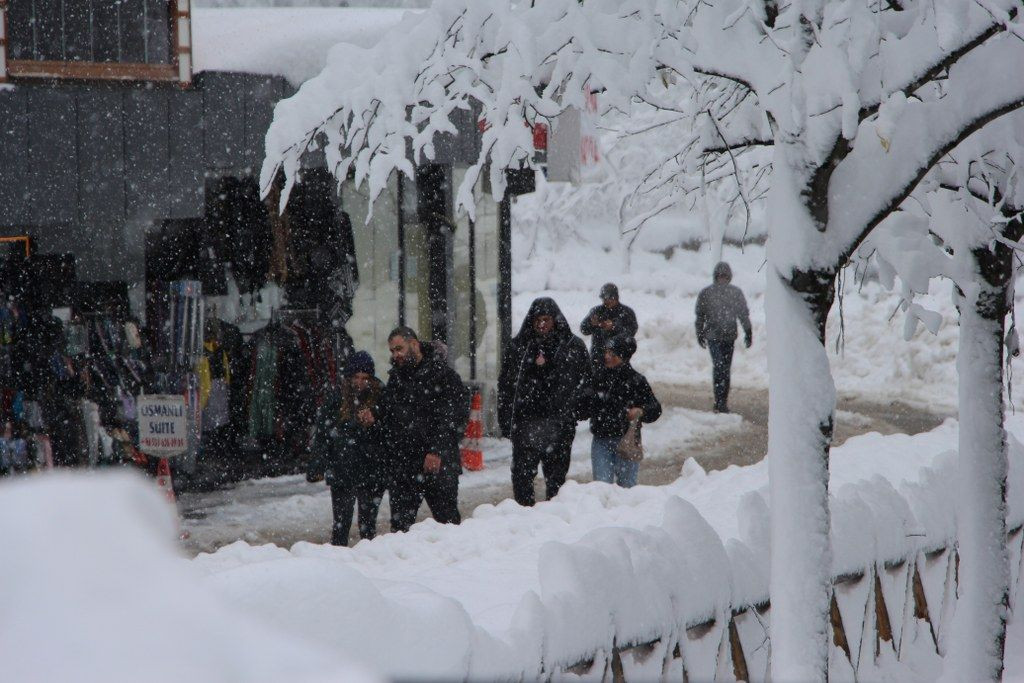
(349, 455)
(420, 420)
(545, 373)
(620, 394)
(719, 307)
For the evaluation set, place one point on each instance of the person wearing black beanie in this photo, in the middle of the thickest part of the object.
(610, 319)
(620, 395)
(348, 454)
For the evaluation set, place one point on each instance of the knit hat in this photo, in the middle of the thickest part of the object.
(360, 361)
(622, 346)
(722, 272)
(609, 291)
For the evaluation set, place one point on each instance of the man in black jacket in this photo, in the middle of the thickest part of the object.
(608, 320)
(620, 395)
(544, 375)
(420, 419)
(719, 307)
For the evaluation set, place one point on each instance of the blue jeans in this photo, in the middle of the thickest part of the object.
(609, 467)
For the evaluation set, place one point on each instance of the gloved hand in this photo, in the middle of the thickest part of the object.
(314, 477)
(748, 341)
(702, 342)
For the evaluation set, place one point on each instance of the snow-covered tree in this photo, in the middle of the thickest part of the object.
(858, 98)
(964, 223)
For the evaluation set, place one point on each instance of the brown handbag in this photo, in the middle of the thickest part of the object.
(630, 446)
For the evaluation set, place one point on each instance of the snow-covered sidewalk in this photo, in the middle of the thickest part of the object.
(283, 510)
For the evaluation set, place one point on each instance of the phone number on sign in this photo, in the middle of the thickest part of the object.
(165, 442)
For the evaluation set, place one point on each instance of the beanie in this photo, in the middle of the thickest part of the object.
(622, 346)
(360, 361)
(609, 291)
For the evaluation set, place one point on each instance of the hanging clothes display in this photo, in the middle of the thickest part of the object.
(293, 365)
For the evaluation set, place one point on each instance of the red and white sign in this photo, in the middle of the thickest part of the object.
(163, 424)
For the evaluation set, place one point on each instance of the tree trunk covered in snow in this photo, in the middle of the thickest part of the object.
(801, 404)
(979, 631)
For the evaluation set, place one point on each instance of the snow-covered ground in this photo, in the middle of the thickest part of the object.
(873, 360)
(486, 598)
(282, 509)
(507, 580)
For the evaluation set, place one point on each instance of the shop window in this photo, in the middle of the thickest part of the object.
(95, 39)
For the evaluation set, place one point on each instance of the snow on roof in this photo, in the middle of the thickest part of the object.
(292, 42)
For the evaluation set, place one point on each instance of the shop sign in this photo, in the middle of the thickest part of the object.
(163, 424)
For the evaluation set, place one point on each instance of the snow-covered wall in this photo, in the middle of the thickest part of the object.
(641, 581)
(602, 581)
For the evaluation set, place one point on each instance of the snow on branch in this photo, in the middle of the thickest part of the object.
(517, 63)
(983, 86)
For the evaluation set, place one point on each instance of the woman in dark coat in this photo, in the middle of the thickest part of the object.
(349, 455)
(620, 394)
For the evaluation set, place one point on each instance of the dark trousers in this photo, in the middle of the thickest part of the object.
(554, 461)
(441, 491)
(343, 500)
(721, 367)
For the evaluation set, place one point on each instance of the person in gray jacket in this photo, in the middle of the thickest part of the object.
(719, 307)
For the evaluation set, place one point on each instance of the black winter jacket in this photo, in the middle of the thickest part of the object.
(623, 323)
(556, 389)
(344, 452)
(423, 409)
(615, 390)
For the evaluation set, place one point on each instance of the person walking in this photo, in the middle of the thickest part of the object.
(719, 307)
(420, 419)
(609, 319)
(620, 395)
(347, 454)
(544, 375)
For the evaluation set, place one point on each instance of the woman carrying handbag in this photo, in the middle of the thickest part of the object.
(620, 401)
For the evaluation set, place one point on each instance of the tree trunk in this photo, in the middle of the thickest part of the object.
(801, 403)
(979, 626)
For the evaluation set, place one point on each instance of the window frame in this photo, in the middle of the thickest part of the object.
(179, 69)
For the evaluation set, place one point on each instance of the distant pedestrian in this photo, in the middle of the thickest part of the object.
(349, 455)
(620, 395)
(719, 307)
(608, 320)
(420, 419)
(544, 376)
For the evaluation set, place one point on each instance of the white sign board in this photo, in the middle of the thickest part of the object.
(163, 424)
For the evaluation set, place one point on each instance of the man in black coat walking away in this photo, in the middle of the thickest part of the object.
(348, 454)
(719, 307)
(420, 419)
(620, 395)
(608, 320)
(544, 377)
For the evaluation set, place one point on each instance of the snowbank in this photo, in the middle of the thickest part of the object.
(91, 573)
(291, 42)
(94, 590)
(513, 592)
(872, 361)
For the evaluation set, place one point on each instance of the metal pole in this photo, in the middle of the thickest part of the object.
(472, 300)
(505, 269)
(401, 249)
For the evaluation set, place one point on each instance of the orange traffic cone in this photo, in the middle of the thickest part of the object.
(163, 479)
(471, 454)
